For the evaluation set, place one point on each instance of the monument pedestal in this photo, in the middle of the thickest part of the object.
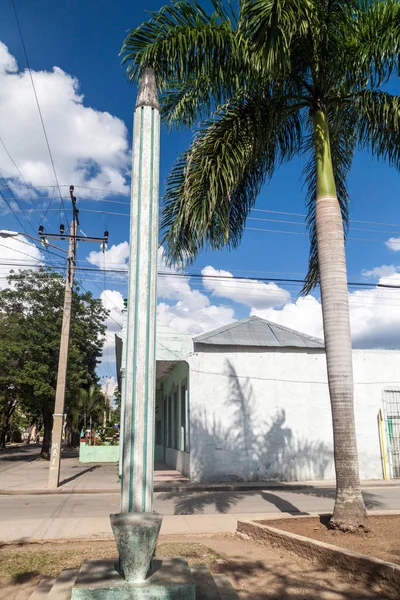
(168, 579)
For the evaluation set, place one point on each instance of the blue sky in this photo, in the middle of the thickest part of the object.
(83, 39)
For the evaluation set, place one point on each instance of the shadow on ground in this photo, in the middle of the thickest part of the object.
(77, 475)
(191, 503)
(256, 580)
(262, 572)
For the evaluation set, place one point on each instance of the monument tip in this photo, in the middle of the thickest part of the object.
(147, 95)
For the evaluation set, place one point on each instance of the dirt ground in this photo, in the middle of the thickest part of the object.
(383, 541)
(256, 572)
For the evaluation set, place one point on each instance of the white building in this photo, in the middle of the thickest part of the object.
(249, 401)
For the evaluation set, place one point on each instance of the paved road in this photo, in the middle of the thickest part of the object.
(16, 456)
(101, 505)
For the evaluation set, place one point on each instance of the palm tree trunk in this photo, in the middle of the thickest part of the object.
(349, 513)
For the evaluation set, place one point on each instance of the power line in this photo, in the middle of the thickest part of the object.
(20, 174)
(13, 212)
(38, 106)
(303, 225)
(232, 278)
(82, 187)
(353, 239)
(290, 214)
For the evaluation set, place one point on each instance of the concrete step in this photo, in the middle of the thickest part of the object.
(212, 586)
(225, 589)
(208, 586)
(41, 591)
(62, 588)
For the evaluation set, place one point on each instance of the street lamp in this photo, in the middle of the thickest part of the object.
(5, 233)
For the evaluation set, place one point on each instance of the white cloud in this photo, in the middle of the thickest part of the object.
(303, 315)
(17, 251)
(114, 258)
(382, 271)
(195, 321)
(89, 147)
(180, 306)
(189, 310)
(8, 64)
(374, 315)
(393, 243)
(256, 294)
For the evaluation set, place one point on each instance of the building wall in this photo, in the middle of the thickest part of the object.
(266, 414)
(175, 435)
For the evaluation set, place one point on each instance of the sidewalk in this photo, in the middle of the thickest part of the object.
(62, 530)
(46, 529)
(31, 478)
(23, 478)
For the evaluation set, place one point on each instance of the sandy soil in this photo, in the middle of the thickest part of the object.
(383, 541)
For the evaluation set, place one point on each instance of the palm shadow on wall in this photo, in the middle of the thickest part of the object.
(265, 452)
(260, 451)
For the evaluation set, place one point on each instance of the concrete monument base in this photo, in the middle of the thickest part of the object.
(168, 579)
(136, 538)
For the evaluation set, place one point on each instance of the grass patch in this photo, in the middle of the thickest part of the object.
(196, 554)
(33, 562)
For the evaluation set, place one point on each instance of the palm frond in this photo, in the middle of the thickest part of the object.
(212, 187)
(378, 125)
(273, 24)
(374, 40)
(342, 141)
(192, 100)
(181, 41)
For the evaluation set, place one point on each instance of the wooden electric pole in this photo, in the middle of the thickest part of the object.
(58, 416)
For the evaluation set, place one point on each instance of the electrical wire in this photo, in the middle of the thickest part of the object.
(38, 106)
(20, 174)
(6, 200)
(233, 278)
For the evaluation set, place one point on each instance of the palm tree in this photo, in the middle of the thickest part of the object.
(280, 79)
(89, 408)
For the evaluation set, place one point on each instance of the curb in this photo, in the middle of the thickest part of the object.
(158, 488)
(196, 487)
(360, 566)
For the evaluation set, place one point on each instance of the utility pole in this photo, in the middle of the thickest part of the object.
(58, 416)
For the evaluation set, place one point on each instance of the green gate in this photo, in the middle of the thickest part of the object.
(391, 410)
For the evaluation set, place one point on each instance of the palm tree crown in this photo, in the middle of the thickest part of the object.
(262, 74)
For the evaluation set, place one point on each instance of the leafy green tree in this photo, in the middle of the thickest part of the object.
(31, 316)
(11, 361)
(282, 78)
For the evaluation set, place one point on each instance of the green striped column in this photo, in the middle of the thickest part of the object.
(140, 362)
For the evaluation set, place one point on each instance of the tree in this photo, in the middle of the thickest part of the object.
(31, 316)
(282, 78)
(11, 360)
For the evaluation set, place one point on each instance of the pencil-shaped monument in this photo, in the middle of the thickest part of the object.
(136, 528)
